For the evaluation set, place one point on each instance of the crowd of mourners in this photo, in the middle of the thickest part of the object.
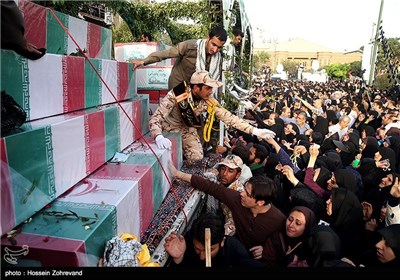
(323, 192)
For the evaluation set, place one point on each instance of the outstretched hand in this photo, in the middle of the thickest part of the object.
(263, 133)
(136, 63)
(395, 190)
(175, 246)
(172, 169)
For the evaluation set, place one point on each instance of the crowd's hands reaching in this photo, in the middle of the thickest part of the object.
(257, 252)
(163, 143)
(175, 246)
(348, 261)
(137, 63)
(314, 150)
(384, 164)
(367, 210)
(220, 149)
(299, 149)
(288, 172)
(175, 173)
(371, 225)
(395, 190)
(172, 169)
(263, 133)
(286, 144)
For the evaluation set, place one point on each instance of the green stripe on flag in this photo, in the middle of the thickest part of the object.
(32, 171)
(150, 159)
(145, 113)
(101, 222)
(93, 84)
(57, 39)
(105, 47)
(15, 78)
(113, 142)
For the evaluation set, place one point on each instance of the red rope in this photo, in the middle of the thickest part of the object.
(126, 114)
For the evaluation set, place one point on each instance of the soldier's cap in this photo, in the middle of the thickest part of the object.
(231, 161)
(203, 77)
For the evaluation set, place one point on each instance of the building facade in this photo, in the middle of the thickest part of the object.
(303, 52)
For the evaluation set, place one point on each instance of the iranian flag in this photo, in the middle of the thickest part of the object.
(43, 28)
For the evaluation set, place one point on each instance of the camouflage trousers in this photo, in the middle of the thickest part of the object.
(191, 145)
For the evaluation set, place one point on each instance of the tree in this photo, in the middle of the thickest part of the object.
(337, 71)
(382, 61)
(122, 34)
(155, 18)
(290, 67)
(381, 81)
(355, 69)
(261, 59)
(387, 60)
(167, 16)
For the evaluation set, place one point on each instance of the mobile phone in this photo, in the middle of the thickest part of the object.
(385, 163)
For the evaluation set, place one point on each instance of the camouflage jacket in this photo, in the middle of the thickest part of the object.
(168, 113)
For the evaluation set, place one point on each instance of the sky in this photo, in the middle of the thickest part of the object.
(343, 25)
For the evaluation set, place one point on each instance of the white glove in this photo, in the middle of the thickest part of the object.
(247, 104)
(163, 143)
(263, 133)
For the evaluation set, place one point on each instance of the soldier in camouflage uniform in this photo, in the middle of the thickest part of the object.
(180, 110)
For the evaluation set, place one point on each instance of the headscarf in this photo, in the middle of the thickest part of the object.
(303, 196)
(327, 145)
(310, 219)
(392, 236)
(388, 153)
(394, 143)
(332, 160)
(321, 125)
(297, 243)
(355, 139)
(346, 208)
(371, 147)
(347, 221)
(324, 175)
(331, 116)
(322, 246)
(347, 158)
(369, 130)
(346, 179)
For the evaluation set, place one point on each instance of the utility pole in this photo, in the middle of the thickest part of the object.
(375, 47)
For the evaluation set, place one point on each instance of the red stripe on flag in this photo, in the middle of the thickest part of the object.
(35, 23)
(50, 251)
(123, 80)
(117, 172)
(7, 198)
(73, 83)
(94, 40)
(154, 95)
(145, 178)
(137, 118)
(95, 141)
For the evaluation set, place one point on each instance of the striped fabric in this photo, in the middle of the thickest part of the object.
(50, 155)
(52, 240)
(57, 84)
(44, 30)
